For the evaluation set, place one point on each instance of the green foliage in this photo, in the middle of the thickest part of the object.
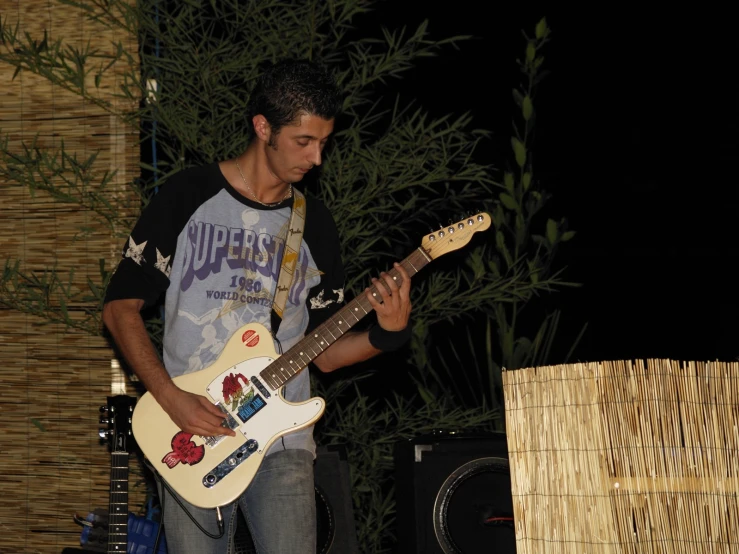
(521, 253)
(518, 228)
(522, 197)
(62, 175)
(53, 300)
(65, 65)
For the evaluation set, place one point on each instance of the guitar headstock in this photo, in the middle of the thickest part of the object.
(455, 236)
(118, 417)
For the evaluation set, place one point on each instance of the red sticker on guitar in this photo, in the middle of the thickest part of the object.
(184, 450)
(250, 338)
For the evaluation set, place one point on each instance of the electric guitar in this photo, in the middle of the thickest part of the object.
(246, 383)
(118, 418)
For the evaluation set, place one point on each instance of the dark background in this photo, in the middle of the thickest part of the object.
(636, 138)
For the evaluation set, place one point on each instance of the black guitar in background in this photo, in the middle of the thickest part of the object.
(117, 530)
(119, 411)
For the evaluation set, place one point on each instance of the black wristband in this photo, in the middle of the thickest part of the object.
(388, 341)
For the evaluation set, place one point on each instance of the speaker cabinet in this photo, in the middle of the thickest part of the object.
(334, 498)
(335, 515)
(453, 495)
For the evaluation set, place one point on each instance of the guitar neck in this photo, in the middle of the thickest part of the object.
(311, 346)
(118, 507)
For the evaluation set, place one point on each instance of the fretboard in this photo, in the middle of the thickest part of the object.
(118, 507)
(312, 345)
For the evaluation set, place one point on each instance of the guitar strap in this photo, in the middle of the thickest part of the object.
(289, 259)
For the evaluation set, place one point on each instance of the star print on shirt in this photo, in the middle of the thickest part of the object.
(136, 251)
(163, 263)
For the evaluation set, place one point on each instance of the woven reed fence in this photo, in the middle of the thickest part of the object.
(54, 379)
(625, 457)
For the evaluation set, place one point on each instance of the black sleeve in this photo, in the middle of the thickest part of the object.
(147, 254)
(327, 298)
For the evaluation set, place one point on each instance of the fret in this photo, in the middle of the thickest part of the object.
(311, 346)
(422, 253)
(333, 337)
(269, 377)
(304, 357)
(319, 341)
(286, 374)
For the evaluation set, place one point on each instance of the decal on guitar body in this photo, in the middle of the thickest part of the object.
(184, 450)
(250, 338)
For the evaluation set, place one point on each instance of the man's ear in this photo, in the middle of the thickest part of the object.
(261, 127)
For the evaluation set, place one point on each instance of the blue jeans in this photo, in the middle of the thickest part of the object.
(279, 507)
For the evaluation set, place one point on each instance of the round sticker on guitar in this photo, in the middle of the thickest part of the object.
(250, 338)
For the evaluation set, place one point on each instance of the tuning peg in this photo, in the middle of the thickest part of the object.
(104, 433)
(104, 420)
(103, 409)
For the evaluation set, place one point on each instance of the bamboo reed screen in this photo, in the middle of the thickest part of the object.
(54, 379)
(624, 457)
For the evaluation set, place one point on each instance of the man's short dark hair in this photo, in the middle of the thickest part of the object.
(290, 88)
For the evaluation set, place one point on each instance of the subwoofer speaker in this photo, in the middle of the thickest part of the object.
(453, 495)
(335, 515)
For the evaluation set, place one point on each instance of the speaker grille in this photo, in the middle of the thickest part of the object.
(470, 513)
(453, 495)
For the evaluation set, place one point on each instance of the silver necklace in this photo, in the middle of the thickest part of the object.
(288, 194)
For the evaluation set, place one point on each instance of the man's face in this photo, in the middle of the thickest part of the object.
(298, 147)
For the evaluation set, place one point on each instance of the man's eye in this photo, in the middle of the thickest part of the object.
(303, 142)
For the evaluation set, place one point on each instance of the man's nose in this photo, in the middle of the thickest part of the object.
(314, 155)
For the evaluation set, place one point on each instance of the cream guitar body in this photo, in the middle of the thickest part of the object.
(214, 471)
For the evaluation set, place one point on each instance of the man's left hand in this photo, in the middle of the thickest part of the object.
(392, 303)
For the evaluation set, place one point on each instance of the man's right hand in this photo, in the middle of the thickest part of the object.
(193, 413)
(190, 412)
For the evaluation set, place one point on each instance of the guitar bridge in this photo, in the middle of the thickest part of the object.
(229, 423)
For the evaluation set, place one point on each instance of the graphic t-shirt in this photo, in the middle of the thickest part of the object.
(216, 256)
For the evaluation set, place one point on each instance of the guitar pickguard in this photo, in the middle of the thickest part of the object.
(239, 391)
(233, 387)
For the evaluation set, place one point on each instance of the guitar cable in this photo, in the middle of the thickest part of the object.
(219, 517)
